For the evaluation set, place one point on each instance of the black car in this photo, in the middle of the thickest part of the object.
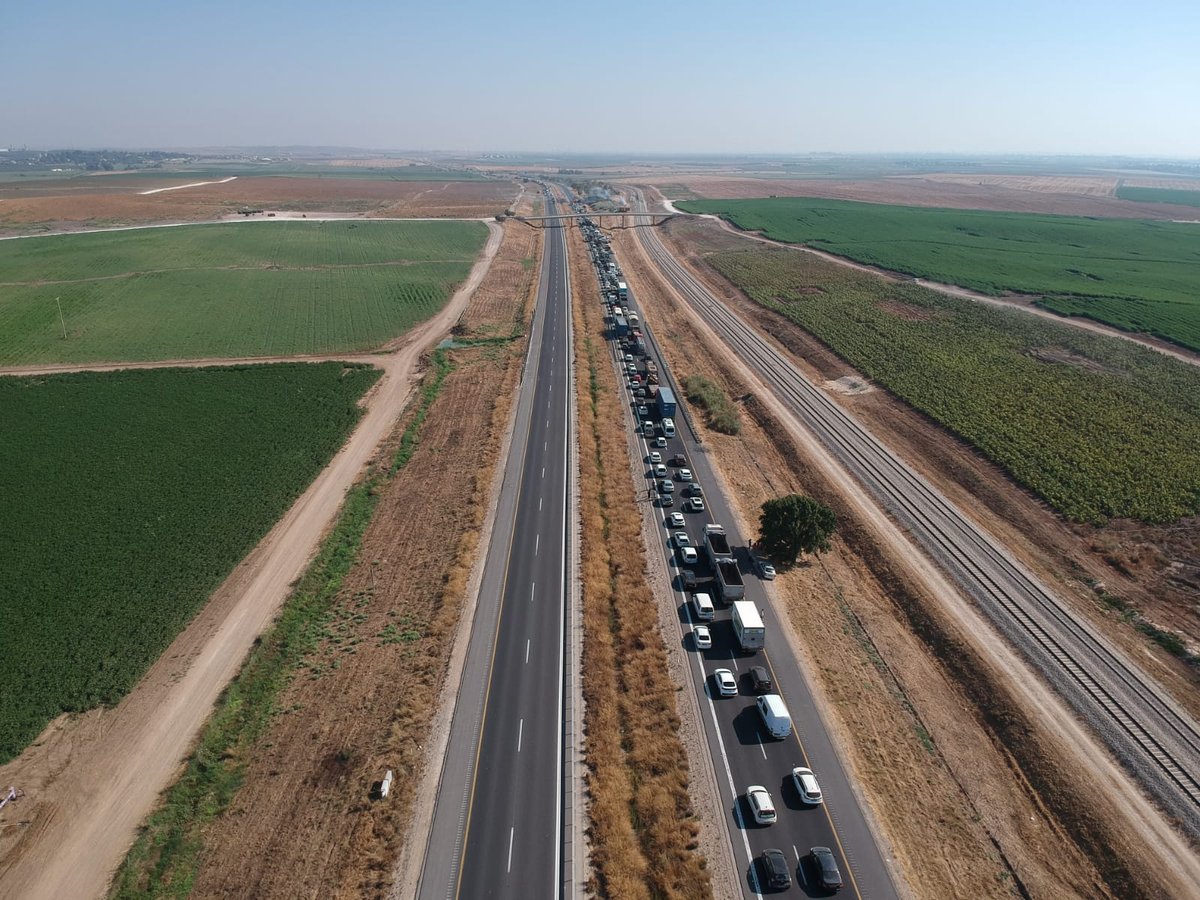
(826, 868)
(775, 869)
(689, 579)
(760, 680)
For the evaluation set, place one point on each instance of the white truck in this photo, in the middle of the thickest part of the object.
(716, 544)
(748, 626)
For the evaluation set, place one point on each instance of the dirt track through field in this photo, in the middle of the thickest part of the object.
(88, 783)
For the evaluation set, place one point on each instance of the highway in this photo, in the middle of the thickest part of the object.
(1156, 740)
(498, 823)
(741, 752)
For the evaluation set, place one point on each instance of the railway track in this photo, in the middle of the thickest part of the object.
(1156, 740)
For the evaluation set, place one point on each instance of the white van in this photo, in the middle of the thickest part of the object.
(702, 606)
(775, 715)
(668, 426)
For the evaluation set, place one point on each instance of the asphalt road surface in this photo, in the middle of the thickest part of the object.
(742, 752)
(497, 827)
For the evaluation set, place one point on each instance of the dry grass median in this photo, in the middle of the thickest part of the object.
(643, 830)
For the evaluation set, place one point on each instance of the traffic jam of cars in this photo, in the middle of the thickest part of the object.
(705, 563)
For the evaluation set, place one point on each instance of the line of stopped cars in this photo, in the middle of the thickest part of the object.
(654, 408)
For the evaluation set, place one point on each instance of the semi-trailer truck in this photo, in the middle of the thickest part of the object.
(666, 402)
(748, 626)
(729, 579)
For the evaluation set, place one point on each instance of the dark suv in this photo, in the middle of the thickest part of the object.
(826, 869)
(760, 680)
(775, 870)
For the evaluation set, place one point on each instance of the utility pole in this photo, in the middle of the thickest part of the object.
(61, 320)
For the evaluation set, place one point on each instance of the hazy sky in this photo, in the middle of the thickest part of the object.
(1035, 76)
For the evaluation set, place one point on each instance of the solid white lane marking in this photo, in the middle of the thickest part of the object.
(527, 640)
(520, 734)
(511, 832)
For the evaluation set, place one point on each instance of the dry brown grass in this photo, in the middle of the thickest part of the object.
(643, 830)
(302, 824)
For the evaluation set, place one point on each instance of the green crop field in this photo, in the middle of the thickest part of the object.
(126, 498)
(1096, 426)
(1160, 195)
(1137, 275)
(239, 289)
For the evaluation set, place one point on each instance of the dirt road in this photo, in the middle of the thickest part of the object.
(89, 782)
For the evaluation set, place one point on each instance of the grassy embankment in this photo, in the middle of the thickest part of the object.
(643, 831)
(229, 290)
(1136, 275)
(1098, 427)
(116, 491)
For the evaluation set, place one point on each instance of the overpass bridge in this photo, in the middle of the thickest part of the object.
(654, 219)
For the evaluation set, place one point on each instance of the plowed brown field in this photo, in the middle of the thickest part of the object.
(72, 207)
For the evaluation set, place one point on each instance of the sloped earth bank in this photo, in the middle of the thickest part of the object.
(974, 797)
(304, 821)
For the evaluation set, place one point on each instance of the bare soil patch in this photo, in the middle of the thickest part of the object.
(973, 795)
(1065, 357)
(1057, 196)
(850, 384)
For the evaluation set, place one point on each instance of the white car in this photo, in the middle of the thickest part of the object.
(689, 556)
(677, 520)
(642, 411)
(655, 457)
(660, 441)
(761, 806)
(697, 505)
(806, 786)
(703, 637)
(685, 474)
(765, 570)
(725, 682)
(628, 357)
(682, 540)
(660, 471)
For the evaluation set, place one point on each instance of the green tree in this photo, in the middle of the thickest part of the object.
(791, 525)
